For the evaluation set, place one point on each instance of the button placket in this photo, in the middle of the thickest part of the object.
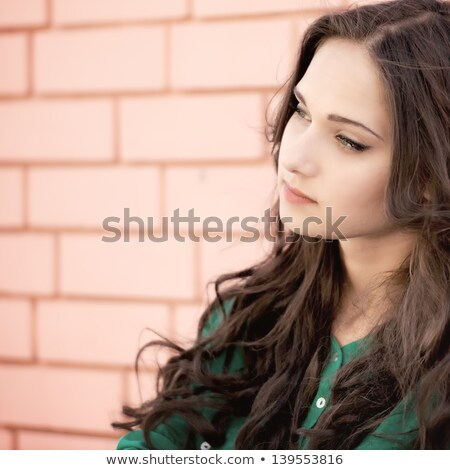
(205, 445)
(335, 361)
(321, 402)
(336, 357)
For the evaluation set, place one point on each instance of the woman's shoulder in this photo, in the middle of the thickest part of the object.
(215, 318)
(171, 437)
(134, 440)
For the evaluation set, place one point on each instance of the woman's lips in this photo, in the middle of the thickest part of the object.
(294, 196)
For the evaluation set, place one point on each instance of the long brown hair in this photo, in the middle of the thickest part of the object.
(284, 306)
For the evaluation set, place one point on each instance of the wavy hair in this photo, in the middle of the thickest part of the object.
(285, 304)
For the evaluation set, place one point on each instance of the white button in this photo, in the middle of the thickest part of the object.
(205, 445)
(335, 357)
(320, 403)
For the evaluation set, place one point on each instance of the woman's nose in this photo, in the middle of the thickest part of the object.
(301, 154)
(300, 160)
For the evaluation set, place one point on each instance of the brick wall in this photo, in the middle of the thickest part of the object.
(150, 105)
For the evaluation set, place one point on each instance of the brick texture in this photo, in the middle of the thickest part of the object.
(190, 127)
(106, 192)
(204, 57)
(58, 441)
(6, 439)
(11, 197)
(68, 12)
(23, 13)
(92, 267)
(13, 64)
(112, 59)
(15, 329)
(63, 325)
(221, 191)
(27, 265)
(59, 398)
(56, 130)
(205, 8)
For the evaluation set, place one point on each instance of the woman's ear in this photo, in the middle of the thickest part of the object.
(426, 195)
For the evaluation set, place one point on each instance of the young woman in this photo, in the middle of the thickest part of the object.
(340, 338)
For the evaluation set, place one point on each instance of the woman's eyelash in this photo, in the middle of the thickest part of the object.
(352, 144)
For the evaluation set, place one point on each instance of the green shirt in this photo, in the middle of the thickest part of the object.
(172, 434)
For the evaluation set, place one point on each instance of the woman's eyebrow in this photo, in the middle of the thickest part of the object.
(336, 117)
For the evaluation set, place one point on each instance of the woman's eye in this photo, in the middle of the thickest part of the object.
(298, 110)
(352, 144)
(347, 143)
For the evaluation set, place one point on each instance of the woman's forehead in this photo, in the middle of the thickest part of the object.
(343, 79)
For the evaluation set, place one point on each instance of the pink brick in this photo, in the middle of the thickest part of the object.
(15, 328)
(87, 196)
(13, 64)
(192, 127)
(206, 8)
(222, 191)
(100, 60)
(31, 440)
(227, 256)
(63, 325)
(6, 440)
(230, 54)
(27, 263)
(224, 257)
(59, 398)
(146, 384)
(78, 130)
(147, 269)
(22, 13)
(98, 11)
(186, 321)
(11, 200)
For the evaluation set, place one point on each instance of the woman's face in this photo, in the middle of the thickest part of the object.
(321, 157)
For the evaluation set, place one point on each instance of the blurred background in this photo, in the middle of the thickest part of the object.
(149, 105)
